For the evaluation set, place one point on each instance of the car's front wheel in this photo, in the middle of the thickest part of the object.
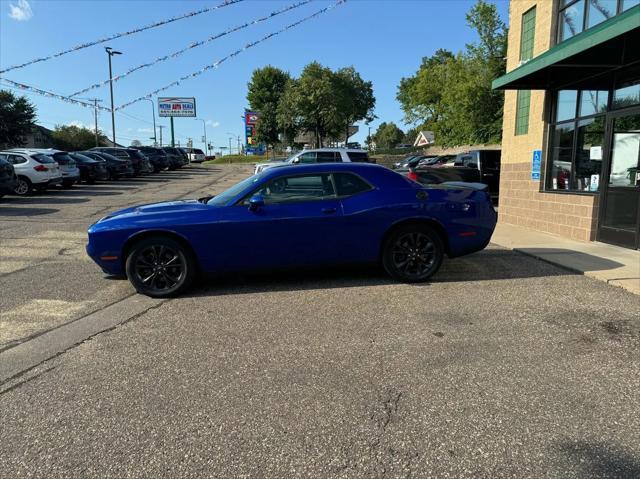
(412, 253)
(160, 267)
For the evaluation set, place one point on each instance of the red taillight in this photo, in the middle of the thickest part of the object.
(412, 176)
(40, 168)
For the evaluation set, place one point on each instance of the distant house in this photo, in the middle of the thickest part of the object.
(425, 138)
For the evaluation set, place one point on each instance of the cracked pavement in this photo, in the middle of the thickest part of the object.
(502, 366)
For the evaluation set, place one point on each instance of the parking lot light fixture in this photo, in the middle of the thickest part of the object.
(111, 52)
(204, 129)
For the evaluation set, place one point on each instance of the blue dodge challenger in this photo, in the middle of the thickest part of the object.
(296, 216)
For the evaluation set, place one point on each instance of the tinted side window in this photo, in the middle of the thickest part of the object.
(16, 160)
(297, 189)
(348, 184)
(360, 157)
(469, 162)
(491, 160)
(40, 158)
(307, 158)
(326, 156)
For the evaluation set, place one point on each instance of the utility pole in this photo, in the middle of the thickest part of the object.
(110, 52)
(230, 138)
(161, 127)
(153, 110)
(95, 115)
(173, 139)
(204, 138)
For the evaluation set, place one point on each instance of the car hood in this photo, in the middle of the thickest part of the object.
(144, 214)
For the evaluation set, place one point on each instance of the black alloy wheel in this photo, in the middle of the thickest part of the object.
(413, 253)
(160, 267)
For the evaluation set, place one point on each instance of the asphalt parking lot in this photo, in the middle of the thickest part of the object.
(502, 366)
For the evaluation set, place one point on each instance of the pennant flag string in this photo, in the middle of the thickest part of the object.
(49, 94)
(191, 46)
(231, 55)
(123, 34)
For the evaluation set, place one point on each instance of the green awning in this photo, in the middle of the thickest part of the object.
(586, 60)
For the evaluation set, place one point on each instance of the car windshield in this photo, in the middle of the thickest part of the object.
(226, 196)
(198, 152)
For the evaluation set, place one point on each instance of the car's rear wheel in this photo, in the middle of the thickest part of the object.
(67, 184)
(160, 267)
(24, 186)
(413, 253)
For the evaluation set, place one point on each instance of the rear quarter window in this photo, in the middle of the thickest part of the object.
(358, 157)
(44, 159)
(348, 184)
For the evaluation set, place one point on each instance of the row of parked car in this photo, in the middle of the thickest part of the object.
(23, 170)
(474, 166)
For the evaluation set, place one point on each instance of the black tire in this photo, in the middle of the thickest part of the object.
(412, 253)
(24, 186)
(67, 184)
(160, 267)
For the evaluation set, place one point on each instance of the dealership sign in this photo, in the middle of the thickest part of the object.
(177, 106)
(250, 125)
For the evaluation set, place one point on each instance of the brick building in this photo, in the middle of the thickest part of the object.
(571, 133)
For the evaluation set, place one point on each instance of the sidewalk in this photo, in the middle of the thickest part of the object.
(611, 264)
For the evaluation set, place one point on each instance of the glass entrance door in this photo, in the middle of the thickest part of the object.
(620, 204)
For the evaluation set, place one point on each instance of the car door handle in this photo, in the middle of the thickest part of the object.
(329, 211)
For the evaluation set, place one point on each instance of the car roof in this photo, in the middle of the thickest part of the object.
(350, 150)
(322, 167)
(30, 151)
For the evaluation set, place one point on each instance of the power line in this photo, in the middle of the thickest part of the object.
(123, 34)
(49, 94)
(177, 53)
(231, 55)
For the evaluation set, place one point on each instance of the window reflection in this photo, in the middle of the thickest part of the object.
(601, 10)
(571, 21)
(566, 105)
(561, 153)
(593, 101)
(627, 96)
(589, 154)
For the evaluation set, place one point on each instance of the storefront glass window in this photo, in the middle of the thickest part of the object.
(601, 10)
(571, 21)
(627, 4)
(561, 154)
(590, 143)
(627, 95)
(566, 106)
(593, 101)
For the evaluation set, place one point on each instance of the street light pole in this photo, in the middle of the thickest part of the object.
(153, 110)
(161, 127)
(204, 128)
(110, 52)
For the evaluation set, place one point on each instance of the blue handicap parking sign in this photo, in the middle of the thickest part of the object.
(535, 164)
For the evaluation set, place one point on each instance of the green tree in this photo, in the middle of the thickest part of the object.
(451, 94)
(388, 135)
(72, 137)
(17, 117)
(265, 91)
(355, 96)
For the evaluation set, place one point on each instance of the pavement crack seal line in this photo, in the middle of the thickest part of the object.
(28, 355)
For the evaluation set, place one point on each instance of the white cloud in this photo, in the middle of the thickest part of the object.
(213, 124)
(145, 130)
(21, 12)
(79, 124)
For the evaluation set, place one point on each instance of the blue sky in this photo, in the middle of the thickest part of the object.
(383, 39)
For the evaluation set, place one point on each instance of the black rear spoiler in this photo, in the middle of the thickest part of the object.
(462, 184)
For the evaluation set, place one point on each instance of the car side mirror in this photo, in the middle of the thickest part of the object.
(256, 202)
(295, 160)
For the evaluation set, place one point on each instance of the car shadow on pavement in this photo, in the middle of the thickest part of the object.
(602, 460)
(10, 211)
(490, 264)
(49, 199)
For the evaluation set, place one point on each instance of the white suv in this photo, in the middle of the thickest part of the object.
(33, 169)
(320, 155)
